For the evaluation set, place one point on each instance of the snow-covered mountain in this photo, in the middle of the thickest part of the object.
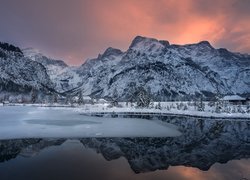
(63, 76)
(19, 74)
(166, 71)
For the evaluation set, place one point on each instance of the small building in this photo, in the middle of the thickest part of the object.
(234, 100)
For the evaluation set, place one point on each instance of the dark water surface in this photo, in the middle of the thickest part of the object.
(207, 149)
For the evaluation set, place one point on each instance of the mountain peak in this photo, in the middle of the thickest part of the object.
(111, 51)
(205, 43)
(141, 43)
(37, 55)
(31, 52)
(164, 42)
(141, 40)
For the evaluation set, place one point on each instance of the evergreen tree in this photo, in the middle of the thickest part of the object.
(218, 104)
(67, 99)
(55, 99)
(114, 101)
(126, 103)
(151, 105)
(158, 106)
(234, 110)
(185, 107)
(248, 108)
(218, 107)
(239, 109)
(201, 105)
(33, 96)
(143, 98)
(80, 98)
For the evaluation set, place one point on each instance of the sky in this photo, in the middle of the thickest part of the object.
(76, 30)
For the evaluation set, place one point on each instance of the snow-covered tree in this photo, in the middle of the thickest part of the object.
(80, 98)
(227, 109)
(158, 106)
(151, 105)
(55, 99)
(178, 106)
(234, 110)
(114, 101)
(239, 109)
(218, 104)
(67, 99)
(248, 108)
(143, 98)
(218, 107)
(33, 96)
(126, 103)
(211, 103)
(201, 105)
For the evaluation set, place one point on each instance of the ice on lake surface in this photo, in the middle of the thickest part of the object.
(206, 149)
(30, 122)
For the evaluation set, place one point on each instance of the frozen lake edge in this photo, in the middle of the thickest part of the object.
(18, 122)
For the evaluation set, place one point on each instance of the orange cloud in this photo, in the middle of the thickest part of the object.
(83, 28)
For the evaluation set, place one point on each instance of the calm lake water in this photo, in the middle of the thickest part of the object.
(207, 149)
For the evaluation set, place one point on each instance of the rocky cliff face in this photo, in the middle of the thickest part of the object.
(19, 74)
(63, 76)
(165, 71)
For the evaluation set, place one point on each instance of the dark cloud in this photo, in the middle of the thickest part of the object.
(79, 29)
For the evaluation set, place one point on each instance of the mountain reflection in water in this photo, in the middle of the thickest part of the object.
(203, 144)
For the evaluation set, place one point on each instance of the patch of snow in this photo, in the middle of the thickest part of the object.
(233, 97)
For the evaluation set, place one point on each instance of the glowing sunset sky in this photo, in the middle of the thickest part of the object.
(74, 30)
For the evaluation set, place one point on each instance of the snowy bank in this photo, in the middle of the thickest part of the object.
(209, 112)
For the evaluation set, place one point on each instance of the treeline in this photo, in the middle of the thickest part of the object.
(9, 47)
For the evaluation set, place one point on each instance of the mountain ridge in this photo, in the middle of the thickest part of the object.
(166, 71)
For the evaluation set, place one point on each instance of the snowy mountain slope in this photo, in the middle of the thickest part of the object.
(166, 71)
(63, 76)
(20, 74)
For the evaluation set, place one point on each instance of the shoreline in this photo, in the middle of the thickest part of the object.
(123, 113)
(102, 110)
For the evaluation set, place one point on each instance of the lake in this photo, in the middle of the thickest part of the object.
(204, 149)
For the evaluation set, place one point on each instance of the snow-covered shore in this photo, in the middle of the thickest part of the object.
(209, 112)
(166, 109)
(124, 111)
